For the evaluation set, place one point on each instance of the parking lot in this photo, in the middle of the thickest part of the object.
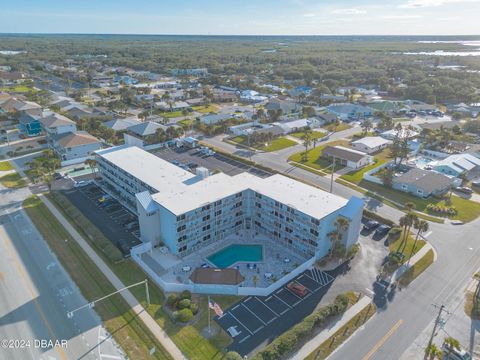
(256, 320)
(190, 159)
(116, 222)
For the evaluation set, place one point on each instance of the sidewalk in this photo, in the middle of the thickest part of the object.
(402, 269)
(151, 324)
(324, 335)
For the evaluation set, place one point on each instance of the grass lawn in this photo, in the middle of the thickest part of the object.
(205, 109)
(314, 158)
(5, 166)
(17, 89)
(315, 134)
(342, 126)
(13, 181)
(472, 306)
(467, 210)
(127, 329)
(187, 337)
(171, 114)
(186, 122)
(276, 144)
(419, 267)
(407, 250)
(327, 347)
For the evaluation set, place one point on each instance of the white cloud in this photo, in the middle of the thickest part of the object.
(401, 17)
(412, 4)
(309, 15)
(349, 11)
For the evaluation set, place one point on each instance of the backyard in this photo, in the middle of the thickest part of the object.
(357, 176)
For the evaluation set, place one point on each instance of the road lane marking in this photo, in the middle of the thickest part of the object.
(382, 341)
(27, 280)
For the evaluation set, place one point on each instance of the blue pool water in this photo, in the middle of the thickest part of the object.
(236, 253)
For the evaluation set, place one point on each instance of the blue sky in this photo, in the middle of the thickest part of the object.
(247, 17)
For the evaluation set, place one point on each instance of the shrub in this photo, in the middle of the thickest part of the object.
(232, 355)
(194, 308)
(374, 216)
(342, 301)
(184, 304)
(184, 315)
(185, 294)
(172, 299)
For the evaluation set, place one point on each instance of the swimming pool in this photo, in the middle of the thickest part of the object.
(236, 253)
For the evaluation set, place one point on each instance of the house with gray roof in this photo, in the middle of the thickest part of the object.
(121, 124)
(212, 119)
(350, 112)
(347, 157)
(138, 135)
(422, 183)
(458, 164)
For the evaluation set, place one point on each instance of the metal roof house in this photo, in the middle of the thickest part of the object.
(422, 183)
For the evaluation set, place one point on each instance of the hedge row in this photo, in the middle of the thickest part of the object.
(375, 216)
(297, 335)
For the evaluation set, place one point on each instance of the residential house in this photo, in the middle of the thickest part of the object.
(172, 106)
(404, 133)
(350, 158)
(141, 134)
(300, 90)
(370, 144)
(121, 124)
(255, 127)
(196, 101)
(13, 105)
(422, 183)
(251, 96)
(286, 106)
(299, 124)
(29, 124)
(212, 119)
(350, 112)
(327, 118)
(74, 147)
(458, 164)
(219, 95)
(333, 98)
(56, 124)
(190, 72)
(125, 79)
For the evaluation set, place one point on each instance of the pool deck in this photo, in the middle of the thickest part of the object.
(171, 267)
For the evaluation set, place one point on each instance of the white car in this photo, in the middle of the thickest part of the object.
(81, 183)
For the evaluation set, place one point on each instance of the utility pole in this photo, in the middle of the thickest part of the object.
(438, 321)
(333, 170)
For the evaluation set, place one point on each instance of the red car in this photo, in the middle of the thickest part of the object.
(297, 288)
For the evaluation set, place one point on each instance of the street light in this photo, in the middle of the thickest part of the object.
(91, 305)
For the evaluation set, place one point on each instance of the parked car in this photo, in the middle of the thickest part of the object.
(57, 176)
(457, 222)
(382, 230)
(464, 189)
(455, 354)
(81, 183)
(476, 183)
(297, 288)
(104, 198)
(192, 165)
(371, 225)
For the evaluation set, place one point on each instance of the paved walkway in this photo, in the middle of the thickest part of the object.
(152, 325)
(402, 269)
(324, 335)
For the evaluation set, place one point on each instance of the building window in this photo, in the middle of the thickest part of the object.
(181, 217)
(218, 212)
(206, 218)
(238, 195)
(181, 228)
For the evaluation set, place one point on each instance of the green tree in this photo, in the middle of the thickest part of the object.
(421, 226)
(307, 141)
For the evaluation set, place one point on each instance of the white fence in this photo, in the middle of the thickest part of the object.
(368, 175)
(137, 251)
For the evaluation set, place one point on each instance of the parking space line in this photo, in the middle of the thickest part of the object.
(245, 338)
(240, 322)
(282, 301)
(291, 292)
(304, 286)
(247, 299)
(268, 307)
(250, 311)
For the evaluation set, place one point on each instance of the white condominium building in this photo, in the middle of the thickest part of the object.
(185, 212)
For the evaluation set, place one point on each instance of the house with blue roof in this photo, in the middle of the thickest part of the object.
(350, 112)
(30, 124)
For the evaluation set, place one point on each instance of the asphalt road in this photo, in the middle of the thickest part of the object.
(400, 322)
(36, 293)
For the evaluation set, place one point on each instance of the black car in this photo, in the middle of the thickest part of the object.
(370, 225)
(382, 230)
(192, 165)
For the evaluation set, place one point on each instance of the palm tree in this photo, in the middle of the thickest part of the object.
(406, 222)
(307, 141)
(92, 164)
(421, 226)
(255, 280)
(410, 206)
(433, 352)
(451, 343)
(341, 225)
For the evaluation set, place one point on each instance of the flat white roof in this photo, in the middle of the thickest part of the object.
(153, 171)
(372, 141)
(180, 191)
